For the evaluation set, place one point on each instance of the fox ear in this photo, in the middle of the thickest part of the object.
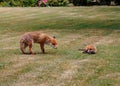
(54, 37)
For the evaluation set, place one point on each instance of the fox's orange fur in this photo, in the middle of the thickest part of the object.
(29, 38)
(90, 49)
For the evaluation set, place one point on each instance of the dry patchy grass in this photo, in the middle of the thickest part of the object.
(65, 66)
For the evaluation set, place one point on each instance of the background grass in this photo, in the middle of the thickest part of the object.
(74, 28)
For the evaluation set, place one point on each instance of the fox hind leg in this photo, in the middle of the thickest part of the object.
(23, 47)
(83, 50)
(30, 47)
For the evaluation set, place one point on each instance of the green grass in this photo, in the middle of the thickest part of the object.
(74, 27)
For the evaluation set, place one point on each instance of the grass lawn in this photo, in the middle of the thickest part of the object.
(74, 27)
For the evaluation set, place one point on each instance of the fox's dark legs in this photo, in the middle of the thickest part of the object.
(91, 52)
(30, 44)
(42, 48)
(23, 47)
(30, 47)
(83, 50)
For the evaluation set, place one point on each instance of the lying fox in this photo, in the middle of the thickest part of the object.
(90, 49)
(36, 37)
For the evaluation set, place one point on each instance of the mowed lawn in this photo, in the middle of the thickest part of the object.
(74, 28)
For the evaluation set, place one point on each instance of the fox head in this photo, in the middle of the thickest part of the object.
(52, 42)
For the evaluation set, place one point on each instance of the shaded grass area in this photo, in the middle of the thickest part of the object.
(59, 18)
(74, 27)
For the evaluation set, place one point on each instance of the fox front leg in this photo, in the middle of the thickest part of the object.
(42, 48)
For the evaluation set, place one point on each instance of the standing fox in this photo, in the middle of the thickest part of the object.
(90, 49)
(36, 37)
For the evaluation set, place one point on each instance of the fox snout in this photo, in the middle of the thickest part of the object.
(55, 46)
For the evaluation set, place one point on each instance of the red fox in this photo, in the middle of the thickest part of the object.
(36, 37)
(90, 49)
